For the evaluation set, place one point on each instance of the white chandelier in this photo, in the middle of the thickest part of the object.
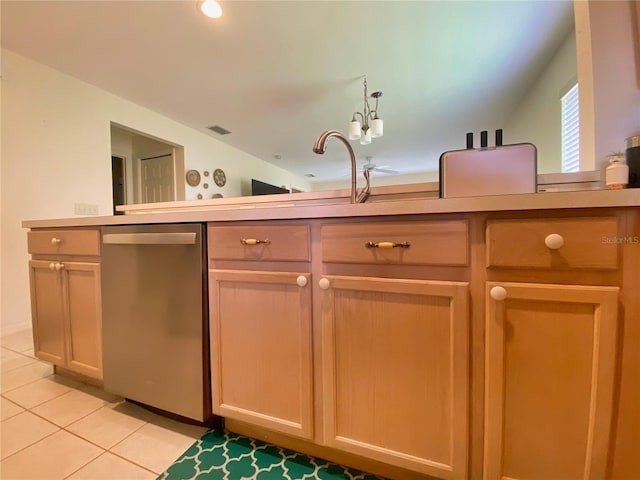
(365, 131)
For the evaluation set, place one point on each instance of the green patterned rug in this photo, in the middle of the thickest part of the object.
(220, 455)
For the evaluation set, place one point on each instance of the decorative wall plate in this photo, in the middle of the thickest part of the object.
(193, 178)
(206, 173)
(219, 177)
(205, 185)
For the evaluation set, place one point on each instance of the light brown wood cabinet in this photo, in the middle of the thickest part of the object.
(395, 349)
(65, 299)
(550, 371)
(260, 327)
(380, 343)
(261, 349)
(552, 346)
(391, 353)
(395, 363)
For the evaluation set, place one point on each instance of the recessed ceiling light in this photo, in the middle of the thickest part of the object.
(210, 8)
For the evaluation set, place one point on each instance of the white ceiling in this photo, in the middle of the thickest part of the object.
(277, 74)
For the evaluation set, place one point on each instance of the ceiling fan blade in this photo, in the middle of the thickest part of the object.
(384, 170)
(372, 167)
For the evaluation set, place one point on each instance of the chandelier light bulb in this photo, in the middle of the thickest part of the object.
(211, 8)
(365, 139)
(354, 130)
(376, 127)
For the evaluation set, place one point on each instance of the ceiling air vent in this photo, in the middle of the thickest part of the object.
(219, 130)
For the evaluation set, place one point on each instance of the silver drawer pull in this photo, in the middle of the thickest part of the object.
(385, 245)
(255, 241)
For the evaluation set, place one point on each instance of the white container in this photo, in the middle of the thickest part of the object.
(617, 173)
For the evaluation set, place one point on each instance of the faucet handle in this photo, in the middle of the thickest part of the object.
(364, 193)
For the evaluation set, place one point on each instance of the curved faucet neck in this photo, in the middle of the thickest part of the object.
(320, 147)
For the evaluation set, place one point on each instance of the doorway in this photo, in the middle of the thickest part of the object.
(118, 182)
(148, 165)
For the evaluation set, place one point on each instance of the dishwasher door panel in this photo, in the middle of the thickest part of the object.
(154, 310)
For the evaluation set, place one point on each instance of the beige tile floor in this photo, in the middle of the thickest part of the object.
(52, 427)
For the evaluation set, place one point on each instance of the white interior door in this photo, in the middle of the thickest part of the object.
(157, 179)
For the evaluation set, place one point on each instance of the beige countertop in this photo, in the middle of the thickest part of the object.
(304, 206)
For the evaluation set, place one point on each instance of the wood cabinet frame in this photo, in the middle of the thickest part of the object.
(605, 314)
(456, 294)
(301, 404)
(80, 336)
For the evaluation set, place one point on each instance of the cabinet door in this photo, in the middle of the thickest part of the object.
(549, 380)
(261, 361)
(47, 311)
(395, 371)
(83, 317)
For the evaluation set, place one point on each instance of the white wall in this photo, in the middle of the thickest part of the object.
(56, 152)
(609, 83)
(607, 72)
(537, 119)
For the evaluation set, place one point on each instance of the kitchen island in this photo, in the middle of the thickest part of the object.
(484, 337)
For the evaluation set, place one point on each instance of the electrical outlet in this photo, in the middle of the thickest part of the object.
(85, 209)
(92, 209)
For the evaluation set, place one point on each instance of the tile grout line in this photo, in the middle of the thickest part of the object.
(108, 450)
(14, 403)
(31, 444)
(22, 354)
(131, 461)
(18, 351)
(84, 465)
(41, 403)
(23, 385)
(65, 428)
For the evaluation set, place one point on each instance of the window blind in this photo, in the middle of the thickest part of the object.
(570, 130)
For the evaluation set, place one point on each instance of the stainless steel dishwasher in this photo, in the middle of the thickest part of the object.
(154, 316)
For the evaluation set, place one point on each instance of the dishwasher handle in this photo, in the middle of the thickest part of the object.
(158, 238)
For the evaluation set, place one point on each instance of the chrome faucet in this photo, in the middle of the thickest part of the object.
(320, 147)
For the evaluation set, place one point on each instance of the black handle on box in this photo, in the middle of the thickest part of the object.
(484, 140)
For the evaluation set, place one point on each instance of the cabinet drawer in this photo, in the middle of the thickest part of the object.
(407, 243)
(553, 243)
(268, 242)
(64, 242)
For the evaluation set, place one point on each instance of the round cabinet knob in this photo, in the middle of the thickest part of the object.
(55, 241)
(59, 266)
(554, 241)
(324, 283)
(52, 266)
(498, 293)
(301, 281)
